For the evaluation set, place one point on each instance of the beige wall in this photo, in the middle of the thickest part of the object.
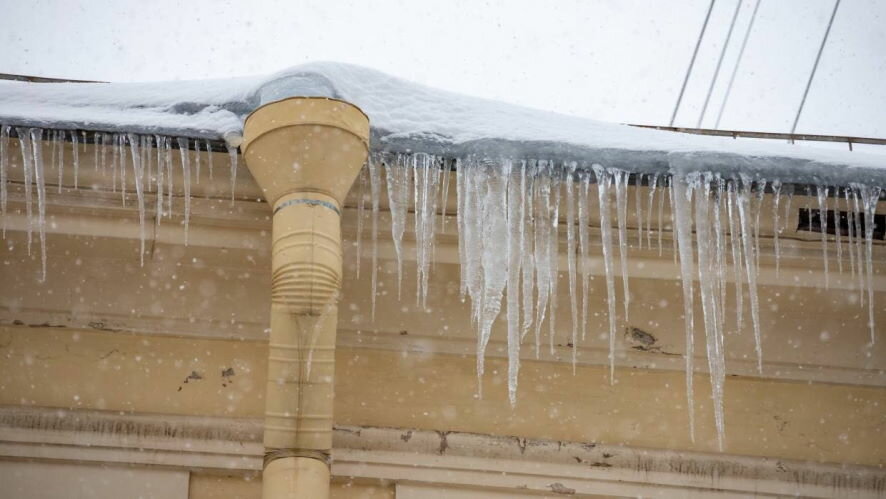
(814, 421)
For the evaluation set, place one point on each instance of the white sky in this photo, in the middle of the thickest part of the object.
(620, 61)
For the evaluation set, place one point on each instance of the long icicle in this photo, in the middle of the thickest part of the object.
(554, 255)
(734, 240)
(653, 184)
(4, 165)
(584, 182)
(40, 179)
(184, 154)
(604, 183)
(528, 250)
(137, 170)
(744, 215)
(361, 214)
(822, 195)
(707, 277)
(869, 197)
(621, 206)
(570, 258)
(24, 141)
(859, 234)
(375, 192)
(776, 196)
(850, 220)
(542, 248)
(516, 203)
(494, 262)
(681, 203)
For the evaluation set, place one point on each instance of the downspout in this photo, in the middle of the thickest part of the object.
(304, 153)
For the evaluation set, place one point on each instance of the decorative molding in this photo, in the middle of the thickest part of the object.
(422, 459)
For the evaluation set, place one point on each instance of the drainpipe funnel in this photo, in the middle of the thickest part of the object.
(304, 153)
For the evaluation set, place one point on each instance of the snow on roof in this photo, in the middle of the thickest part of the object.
(406, 116)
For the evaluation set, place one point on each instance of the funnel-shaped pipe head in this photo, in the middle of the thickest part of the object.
(305, 144)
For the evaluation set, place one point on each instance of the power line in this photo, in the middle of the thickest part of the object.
(719, 62)
(815, 66)
(744, 43)
(692, 61)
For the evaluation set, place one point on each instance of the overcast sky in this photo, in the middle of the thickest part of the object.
(619, 61)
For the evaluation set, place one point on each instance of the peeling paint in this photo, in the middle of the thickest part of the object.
(559, 488)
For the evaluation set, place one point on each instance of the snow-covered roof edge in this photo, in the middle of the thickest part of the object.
(408, 117)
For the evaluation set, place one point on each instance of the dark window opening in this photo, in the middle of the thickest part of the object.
(811, 221)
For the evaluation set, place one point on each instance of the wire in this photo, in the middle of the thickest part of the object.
(815, 66)
(692, 61)
(719, 62)
(744, 43)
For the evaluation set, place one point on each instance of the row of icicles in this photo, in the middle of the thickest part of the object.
(149, 159)
(510, 221)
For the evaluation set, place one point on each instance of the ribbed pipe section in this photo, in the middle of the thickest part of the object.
(306, 276)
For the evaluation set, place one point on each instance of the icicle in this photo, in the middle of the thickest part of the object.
(756, 211)
(137, 171)
(850, 220)
(57, 146)
(426, 186)
(528, 249)
(361, 213)
(96, 142)
(707, 278)
(621, 202)
(734, 241)
(75, 156)
(398, 177)
(744, 197)
(869, 198)
(776, 230)
(653, 184)
(461, 194)
(584, 182)
(147, 147)
(681, 213)
(673, 217)
(570, 257)
(516, 205)
(822, 194)
(160, 181)
(167, 146)
(837, 229)
(232, 154)
(638, 207)
(24, 141)
(661, 199)
(197, 160)
(375, 191)
(604, 183)
(719, 192)
(542, 248)
(444, 197)
(31, 143)
(208, 157)
(186, 180)
(37, 146)
(106, 145)
(4, 164)
(554, 255)
(120, 152)
(858, 250)
(494, 262)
